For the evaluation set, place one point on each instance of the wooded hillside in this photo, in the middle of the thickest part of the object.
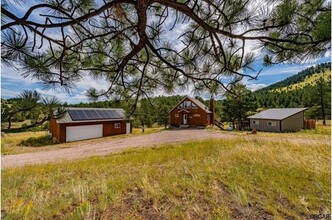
(316, 95)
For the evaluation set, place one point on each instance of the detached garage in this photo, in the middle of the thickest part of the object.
(278, 119)
(87, 123)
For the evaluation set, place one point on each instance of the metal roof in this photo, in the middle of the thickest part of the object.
(197, 102)
(68, 119)
(277, 113)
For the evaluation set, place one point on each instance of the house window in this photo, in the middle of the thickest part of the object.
(180, 106)
(193, 106)
(176, 115)
(117, 125)
(197, 115)
(272, 123)
(187, 104)
(255, 122)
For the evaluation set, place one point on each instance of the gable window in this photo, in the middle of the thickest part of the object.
(187, 104)
(193, 106)
(180, 106)
(255, 122)
(117, 125)
(272, 123)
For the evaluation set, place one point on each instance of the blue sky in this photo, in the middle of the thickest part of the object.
(12, 83)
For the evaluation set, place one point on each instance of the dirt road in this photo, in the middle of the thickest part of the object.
(100, 148)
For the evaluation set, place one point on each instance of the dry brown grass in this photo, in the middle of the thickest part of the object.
(11, 143)
(214, 179)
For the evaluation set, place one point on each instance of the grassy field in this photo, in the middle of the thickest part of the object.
(15, 143)
(213, 179)
(308, 80)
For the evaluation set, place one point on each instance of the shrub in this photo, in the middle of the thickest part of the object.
(39, 141)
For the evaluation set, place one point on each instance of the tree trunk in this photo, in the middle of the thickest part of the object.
(322, 104)
(9, 122)
(240, 125)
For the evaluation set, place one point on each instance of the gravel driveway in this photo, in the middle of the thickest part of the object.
(86, 149)
(83, 150)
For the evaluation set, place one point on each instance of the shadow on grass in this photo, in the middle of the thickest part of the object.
(39, 141)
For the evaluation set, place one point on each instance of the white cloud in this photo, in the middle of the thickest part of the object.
(10, 74)
(13, 84)
(8, 93)
(256, 86)
(280, 70)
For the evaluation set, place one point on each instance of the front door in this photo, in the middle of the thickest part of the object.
(185, 119)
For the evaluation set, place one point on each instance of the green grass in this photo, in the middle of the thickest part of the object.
(39, 141)
(213, 179)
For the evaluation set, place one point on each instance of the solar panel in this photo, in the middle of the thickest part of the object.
(96, 114)
(82, 115)
(115, 114)
(102, 113)
(74, 115)
(91, 114)
(106, 113)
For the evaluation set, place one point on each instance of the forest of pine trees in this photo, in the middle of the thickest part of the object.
(311, 95)
(315, 96)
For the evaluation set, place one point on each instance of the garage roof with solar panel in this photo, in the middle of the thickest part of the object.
(92, 114)
(81, 115)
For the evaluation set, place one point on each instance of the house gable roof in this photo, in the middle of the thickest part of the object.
(117, 114)
(277, 113)
(197, 102)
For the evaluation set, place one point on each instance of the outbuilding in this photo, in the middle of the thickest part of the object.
(191, 112)
(278, 119)
(87, 123)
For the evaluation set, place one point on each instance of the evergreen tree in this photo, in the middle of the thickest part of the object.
(238, 106)
(124, 42)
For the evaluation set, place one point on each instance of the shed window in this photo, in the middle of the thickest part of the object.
(255, 122)
(117, 125)
(187, 104)
(272, 123)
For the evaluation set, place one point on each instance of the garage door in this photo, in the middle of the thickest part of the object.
(75, 133)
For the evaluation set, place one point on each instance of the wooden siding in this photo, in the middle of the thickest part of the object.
(59, 130)
(193, 120)
(55, 129)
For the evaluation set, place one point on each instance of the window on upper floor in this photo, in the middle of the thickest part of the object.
(187, 104)
(194, 106)
(180, 106)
